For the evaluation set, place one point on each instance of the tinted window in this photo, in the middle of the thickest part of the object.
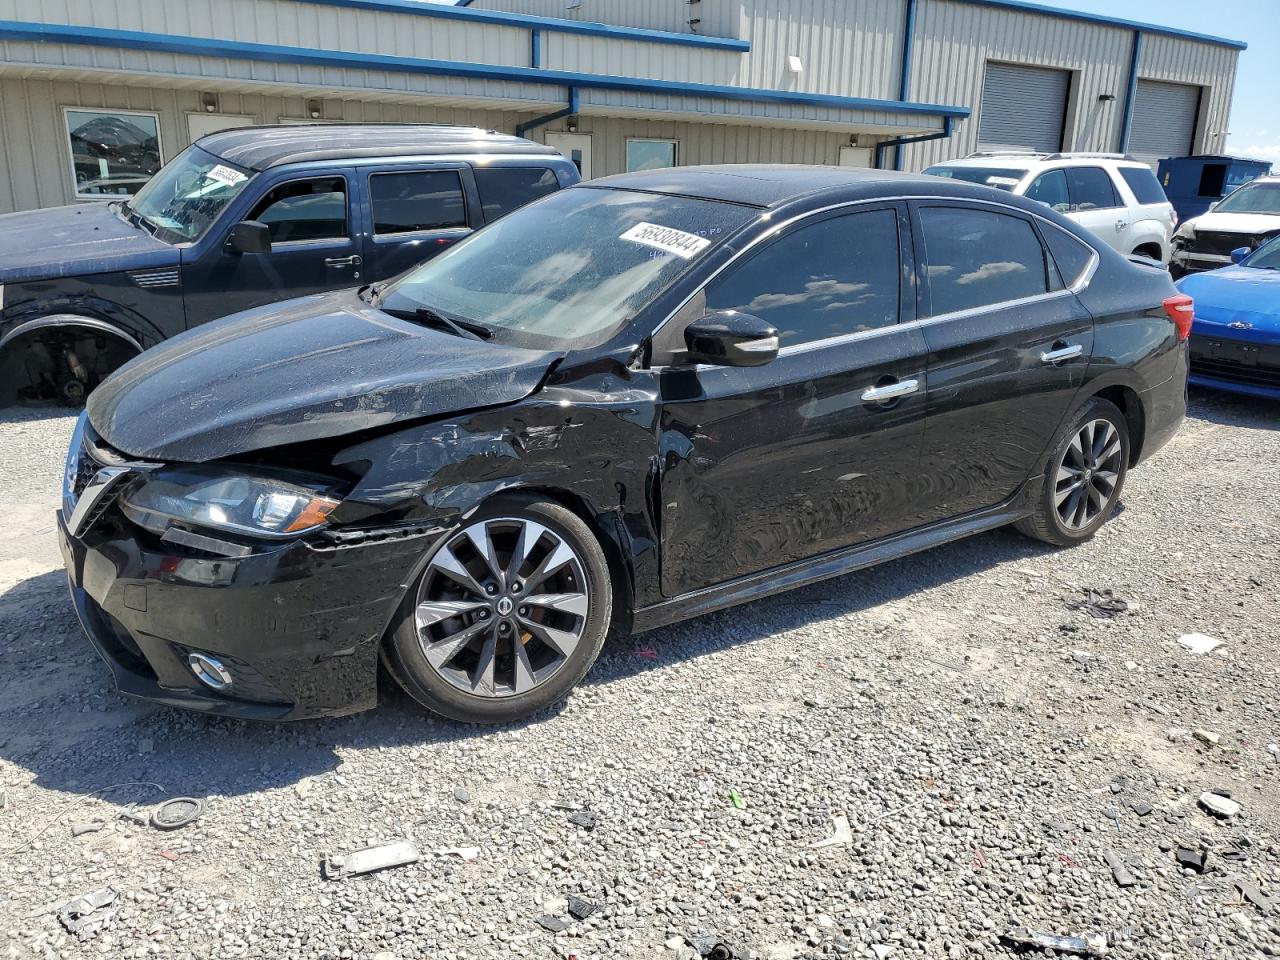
(305, 210)
(1071, 255)
(834, 277)
(1253, 198)
(1051, 190)
(975, 258)
(423, 200)
(503, 189)
(1002, 178)
(1144, 184)
(1091, 188)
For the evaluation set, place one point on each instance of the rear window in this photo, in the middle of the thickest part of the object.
(1144, 184)
(418, 200)
(976, 258)
(503, 189)
(1091, 189)
(1002, 178)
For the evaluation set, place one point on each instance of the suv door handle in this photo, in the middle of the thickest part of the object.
(1062, 353)
(891, 391)
(352, 261)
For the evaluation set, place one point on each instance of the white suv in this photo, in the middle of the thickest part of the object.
(1115, 196)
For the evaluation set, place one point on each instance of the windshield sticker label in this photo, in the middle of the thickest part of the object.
(226, 175)
(1002, 181)
(667, 239)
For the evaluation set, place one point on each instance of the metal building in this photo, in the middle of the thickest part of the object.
(95, 95)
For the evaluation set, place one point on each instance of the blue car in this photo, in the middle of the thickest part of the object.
(1235, 341)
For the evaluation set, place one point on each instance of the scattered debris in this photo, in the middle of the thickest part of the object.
(841, 835)
(646, 653)
(580, 909)
(1207, 736)
(1178, 735)
(1112, 814)
(177, 812)
(461, 795)
(712, 948)
(1194, 859)
(86, 826)
(1199, 643)
(554, 924)
(882, 951)
(370, 859)
(1090, 944)
(1123, 875)
(169, 855)
(1219, 805)
(1142, 808)
(736, 797)
(466, 854)
(1250, 892)
(86, 915)
(4, 799)
(584, 819)
(134, 815)
(1099, 604)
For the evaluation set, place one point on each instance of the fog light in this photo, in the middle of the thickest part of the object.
(209, 671)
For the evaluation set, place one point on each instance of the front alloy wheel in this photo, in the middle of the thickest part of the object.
(508, 615)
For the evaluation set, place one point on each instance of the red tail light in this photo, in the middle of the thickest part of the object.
(1182, 311)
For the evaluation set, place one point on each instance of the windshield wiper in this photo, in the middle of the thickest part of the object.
(467, 329)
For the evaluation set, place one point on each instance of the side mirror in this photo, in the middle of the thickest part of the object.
(730, 339)
(1239, 253)
(249, 236)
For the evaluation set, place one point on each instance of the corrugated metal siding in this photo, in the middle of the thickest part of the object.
(1206, 65)
(1164, 120)
(1023, 107)
(719, 17)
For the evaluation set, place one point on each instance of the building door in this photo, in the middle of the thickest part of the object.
(574, 146)
(855, 156)
(1164, 121)
(202, 124)
(1023, 107)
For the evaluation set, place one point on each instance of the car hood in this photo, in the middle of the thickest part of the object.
(322, 366)
(73, 241)
(1236, 295)
(1246, 223)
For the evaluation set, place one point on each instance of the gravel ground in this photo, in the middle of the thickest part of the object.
(987, 743)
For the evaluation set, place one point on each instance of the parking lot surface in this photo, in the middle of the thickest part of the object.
(1006, 752)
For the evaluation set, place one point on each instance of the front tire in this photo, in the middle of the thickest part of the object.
(1083, 477)
(509, 614)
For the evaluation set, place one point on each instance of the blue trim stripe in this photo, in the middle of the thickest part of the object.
(1131, 92)
(443, 11)
(1023, 7)
(270, 53)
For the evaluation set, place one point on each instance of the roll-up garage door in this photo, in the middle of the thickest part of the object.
(1164, 120)
(1023, 107)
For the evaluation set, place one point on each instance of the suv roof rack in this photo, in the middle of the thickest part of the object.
(1090, 154)
(1004, 153)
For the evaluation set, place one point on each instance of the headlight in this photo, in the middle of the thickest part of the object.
(1187, 230)
(254, 503)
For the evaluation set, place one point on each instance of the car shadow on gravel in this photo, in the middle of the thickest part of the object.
(1232, 409)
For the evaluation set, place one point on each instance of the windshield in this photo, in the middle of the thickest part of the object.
(569, 269)
(1003, 178)
(1266, 257)
(188, 194)
(1252, 198)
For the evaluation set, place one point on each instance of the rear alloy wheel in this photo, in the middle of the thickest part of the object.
(1083, 476)
(509, 614)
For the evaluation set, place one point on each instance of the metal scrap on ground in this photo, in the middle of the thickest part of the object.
(86, 915)
(1089, 944)
(843, 833)
(1199, 642)
(1099, 604)
(370, 859)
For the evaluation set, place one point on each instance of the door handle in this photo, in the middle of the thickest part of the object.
(352, 261)
(1061, 354)
(891, 391)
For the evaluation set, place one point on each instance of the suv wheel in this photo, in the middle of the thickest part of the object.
(509, 614)
(1083, 477)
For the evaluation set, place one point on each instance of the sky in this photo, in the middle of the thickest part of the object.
(1255, 114)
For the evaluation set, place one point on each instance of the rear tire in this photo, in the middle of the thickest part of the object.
(1084, 475)
(509, 614)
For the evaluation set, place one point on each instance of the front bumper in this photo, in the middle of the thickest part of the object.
(1191, 261)
(298, 626)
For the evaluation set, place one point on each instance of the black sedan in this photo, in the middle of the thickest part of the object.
(637, 400)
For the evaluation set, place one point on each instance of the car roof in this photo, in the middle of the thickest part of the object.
(259, 148)
(1035, 161)
(761, 185)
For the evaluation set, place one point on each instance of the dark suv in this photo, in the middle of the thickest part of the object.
(237, 220)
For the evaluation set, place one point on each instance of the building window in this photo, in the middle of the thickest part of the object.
(643, 154)
(113, 152)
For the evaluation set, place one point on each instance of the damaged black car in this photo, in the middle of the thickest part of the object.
(634, 401)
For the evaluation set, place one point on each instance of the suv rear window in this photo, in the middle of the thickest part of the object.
(417, 200)
(1144, 184)
(1091, 189)
(503, 189)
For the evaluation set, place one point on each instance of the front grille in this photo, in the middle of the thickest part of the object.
(82, 466)
(1221, 244)
(1239, 360)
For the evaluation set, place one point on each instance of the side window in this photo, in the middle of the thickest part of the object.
(835, 277)
(417, 200)
(503, 189)
(1091, 189)
(1146, 188)
(1051, 190)
(305, 210)
(1071, 255)
(975, 258)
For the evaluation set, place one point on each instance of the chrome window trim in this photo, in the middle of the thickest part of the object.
(1081, 284)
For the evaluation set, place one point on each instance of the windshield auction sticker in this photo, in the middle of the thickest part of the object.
(667, 239)
(226, 175)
